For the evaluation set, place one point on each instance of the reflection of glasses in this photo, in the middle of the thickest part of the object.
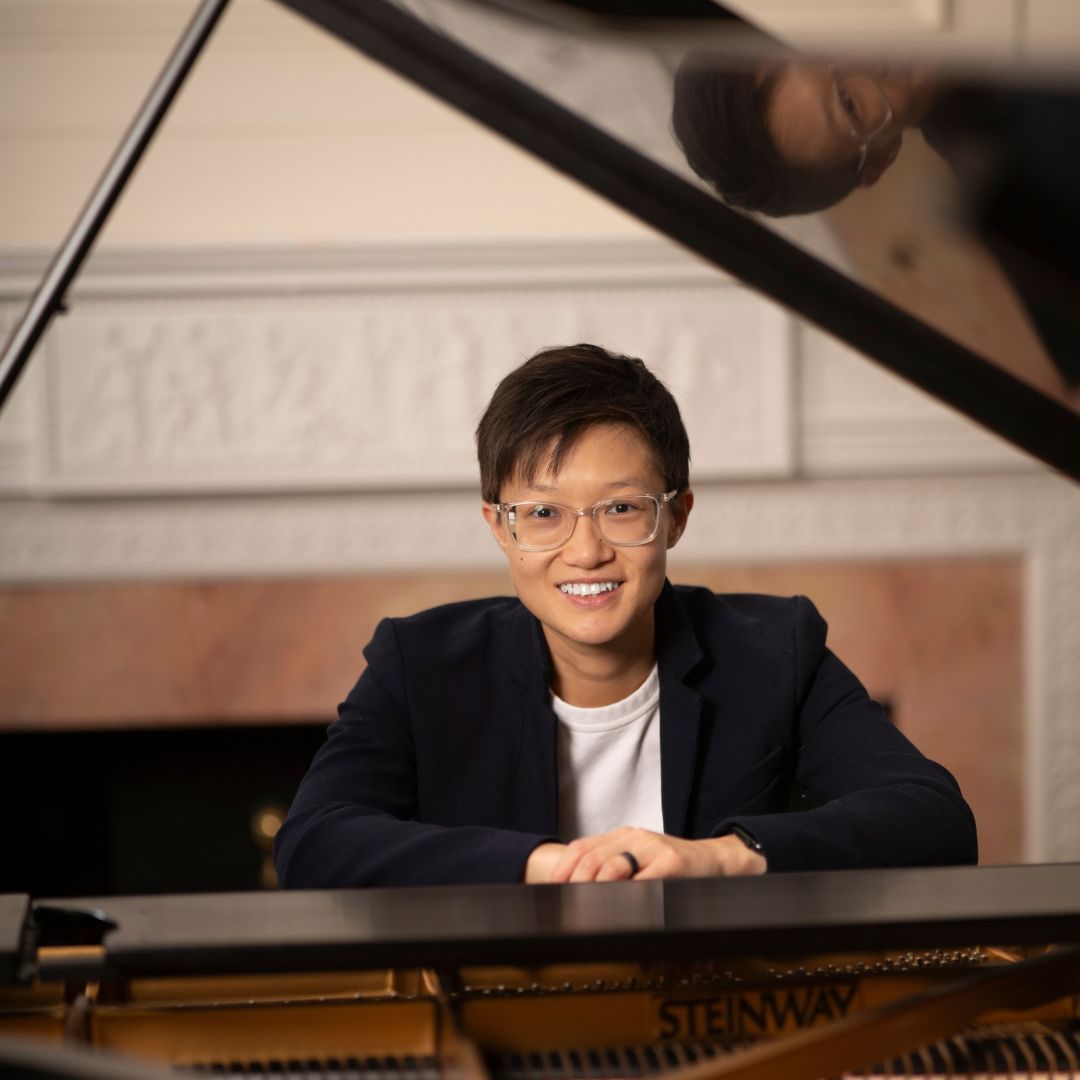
(865, 107)
(626, 521)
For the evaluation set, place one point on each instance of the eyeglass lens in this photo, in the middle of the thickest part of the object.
(863, 101)
(629, 520)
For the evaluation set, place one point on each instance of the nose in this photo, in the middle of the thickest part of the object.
(586, 547)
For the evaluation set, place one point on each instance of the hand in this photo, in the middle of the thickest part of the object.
(541, 862)
(600, 858)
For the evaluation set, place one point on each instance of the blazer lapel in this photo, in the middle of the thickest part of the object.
(677, 654)
(529, 665)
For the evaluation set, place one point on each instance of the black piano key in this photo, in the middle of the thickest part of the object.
(1066, 1051)
(970, 1053)
(939, 1063)
(534, 1066)
(374, 1069)
(1010, 1050)
(1041, 1055)
(673, 1056)
(1025, 1054)
(918, 1062)
(995, 1055)
(902, 1066)
(628, 1065)
(557, 1065)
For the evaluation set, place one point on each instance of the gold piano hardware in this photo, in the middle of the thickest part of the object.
(69, 958)
(408, 1021)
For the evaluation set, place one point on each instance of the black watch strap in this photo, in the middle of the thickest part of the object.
(752, 842)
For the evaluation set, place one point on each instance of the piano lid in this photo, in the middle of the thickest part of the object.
(508, 924)
(899, 254)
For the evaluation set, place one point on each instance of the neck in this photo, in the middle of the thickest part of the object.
(589, 676)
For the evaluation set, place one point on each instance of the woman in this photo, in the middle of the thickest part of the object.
(604, 724)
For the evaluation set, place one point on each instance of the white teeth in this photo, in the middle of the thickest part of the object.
(591, 588)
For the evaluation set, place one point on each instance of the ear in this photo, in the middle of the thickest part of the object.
(495, 524)
(680, 510)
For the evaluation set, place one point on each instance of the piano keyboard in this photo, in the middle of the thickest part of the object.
(995, 1053)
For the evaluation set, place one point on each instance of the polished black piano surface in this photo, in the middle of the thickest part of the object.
(530, 925)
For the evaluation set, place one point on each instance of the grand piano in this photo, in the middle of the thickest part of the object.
(900, 972)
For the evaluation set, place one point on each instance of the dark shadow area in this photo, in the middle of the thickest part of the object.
(124, 812)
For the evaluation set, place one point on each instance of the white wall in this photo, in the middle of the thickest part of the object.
(282, 135)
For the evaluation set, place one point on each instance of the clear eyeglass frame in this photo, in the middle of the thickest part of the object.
(575, 512)
(862, 137)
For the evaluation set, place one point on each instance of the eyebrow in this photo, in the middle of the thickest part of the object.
(633, 482)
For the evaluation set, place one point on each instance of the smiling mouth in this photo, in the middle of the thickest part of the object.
(588, 588)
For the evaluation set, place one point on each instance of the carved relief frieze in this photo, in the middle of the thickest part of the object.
(366, 390)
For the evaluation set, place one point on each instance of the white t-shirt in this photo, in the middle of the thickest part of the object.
(609, 763)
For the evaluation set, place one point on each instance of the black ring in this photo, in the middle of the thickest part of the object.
(635, 866)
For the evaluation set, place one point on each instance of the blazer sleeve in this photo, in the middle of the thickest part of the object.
(877, 800)
(353, 821)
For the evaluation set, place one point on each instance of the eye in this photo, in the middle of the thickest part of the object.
(847, 102)
(621, 508)
(540, 512)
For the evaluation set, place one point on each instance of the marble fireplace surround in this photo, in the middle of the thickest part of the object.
(143, 449)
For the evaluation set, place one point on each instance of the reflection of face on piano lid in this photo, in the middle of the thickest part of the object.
(833, 116)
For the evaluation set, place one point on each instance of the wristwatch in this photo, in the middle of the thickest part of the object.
(752, 842)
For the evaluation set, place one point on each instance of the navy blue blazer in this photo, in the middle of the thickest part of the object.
(442, 764)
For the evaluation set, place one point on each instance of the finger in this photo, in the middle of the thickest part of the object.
(617, 868)
(652, 872)
(566, 865)
(659, 863)
(589, 864)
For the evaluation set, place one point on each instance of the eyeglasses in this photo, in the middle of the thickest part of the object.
(864, 105)
(625, 521)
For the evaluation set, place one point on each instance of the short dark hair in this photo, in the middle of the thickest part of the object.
(540, 409)
(718, 117)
